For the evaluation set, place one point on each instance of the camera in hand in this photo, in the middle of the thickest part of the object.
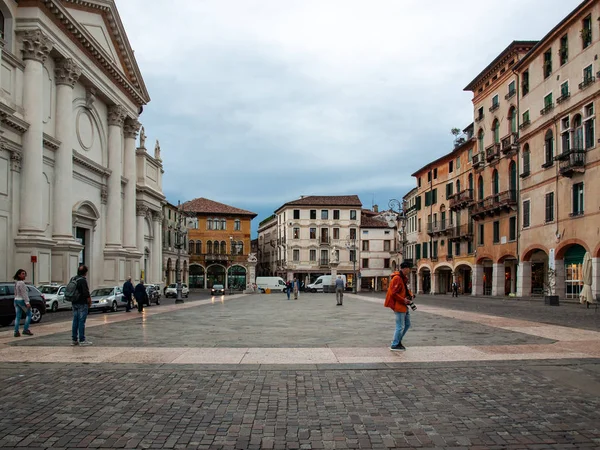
(412, 306)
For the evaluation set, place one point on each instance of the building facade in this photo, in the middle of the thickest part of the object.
(219, 245)
(378, 249)
(267, 246)
(175, 244)
(74, 187)
(411, 236)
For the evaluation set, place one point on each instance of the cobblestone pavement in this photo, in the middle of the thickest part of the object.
(539, 403)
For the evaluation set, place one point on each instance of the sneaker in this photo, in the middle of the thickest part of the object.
(17, 334)
(74, 343)
(27, 332)
(397, 348)
(85, 343)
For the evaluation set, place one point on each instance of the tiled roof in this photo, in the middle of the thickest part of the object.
(366, 221)
(206, 206)
(326, 200)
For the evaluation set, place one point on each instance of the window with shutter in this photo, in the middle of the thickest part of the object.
(418, 203)
(526, 210)
(550, 207)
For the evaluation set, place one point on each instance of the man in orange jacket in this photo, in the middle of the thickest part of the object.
(398, 298)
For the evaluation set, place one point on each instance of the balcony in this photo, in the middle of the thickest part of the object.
(461, 232)
(477, 160)
(324, 240)
(461, 199)
(494, 107)
(509, 143)
(495, 204)
(549, 107)
(492, 152)
(587, 81)
(525, 124)
(324, 263)
(214, 257)
(563, 97)
(571, 162)
(440, 227)
(510, 94)
(480, 118)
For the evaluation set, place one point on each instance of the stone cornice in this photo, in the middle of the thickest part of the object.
(141, 151)
(151, 192)
(10, 58)
(83, 161)
(7, 117)
(51, 142)
(133, 87)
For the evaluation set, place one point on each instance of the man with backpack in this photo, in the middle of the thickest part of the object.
(398, 298)
(128, 293)
(78, 293)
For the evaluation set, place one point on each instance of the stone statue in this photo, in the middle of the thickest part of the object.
(143, 138)
(157, 151)
(252, 258)
(334, 256)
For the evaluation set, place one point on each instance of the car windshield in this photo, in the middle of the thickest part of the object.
(49, 289)
(172, 285)
(99, 292)
(217, 286)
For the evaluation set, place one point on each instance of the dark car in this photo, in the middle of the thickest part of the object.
(217, 289)
(7, 306)
(153, 295)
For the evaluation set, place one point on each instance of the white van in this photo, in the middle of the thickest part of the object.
(317, 286)
(276, 284)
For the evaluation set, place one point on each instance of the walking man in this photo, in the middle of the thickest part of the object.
(128, 293)
(339, 290)
(141, 296)
(454, 289)
(80, 303)
(296, 286)
(398, 298)
(288, 288)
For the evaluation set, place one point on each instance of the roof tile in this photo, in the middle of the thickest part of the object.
(204, 205)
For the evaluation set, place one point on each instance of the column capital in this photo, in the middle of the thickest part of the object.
(36, 45)
(116, 115)
(67, 71)
(157, 216)
(141, 210)
(104, 194)
(131, 128)
(15, 161)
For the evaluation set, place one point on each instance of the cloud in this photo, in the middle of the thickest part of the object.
(257, 102)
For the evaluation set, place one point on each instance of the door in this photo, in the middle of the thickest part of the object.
(60, 298)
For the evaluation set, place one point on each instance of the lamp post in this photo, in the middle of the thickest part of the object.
(180, 233)
(351, 245)
(397, 207)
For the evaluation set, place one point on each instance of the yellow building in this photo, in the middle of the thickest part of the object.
(219, 244)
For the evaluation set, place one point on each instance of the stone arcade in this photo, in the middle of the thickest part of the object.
(73, 186)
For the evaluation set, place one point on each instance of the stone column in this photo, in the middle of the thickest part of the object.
(524, 279)
(498, 279)
(156, 253)
(66, 74)
(116, 116)
(434, 283)
(477, 281)
(560, 278)
(141, 212)
(419, 289)
(596, 278)
(129, 171)
(513, 277)
(36, 48)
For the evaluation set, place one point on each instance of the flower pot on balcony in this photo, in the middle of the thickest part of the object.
(551, 300)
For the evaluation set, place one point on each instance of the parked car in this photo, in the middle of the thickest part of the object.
(217, 289)
(171, 291)
(153, 294)
(7, 306)
(158, 289)
(55, 296)
(107, 299)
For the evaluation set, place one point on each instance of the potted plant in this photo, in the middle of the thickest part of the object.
(550, 297)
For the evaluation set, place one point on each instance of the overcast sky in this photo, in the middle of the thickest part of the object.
(256, 102)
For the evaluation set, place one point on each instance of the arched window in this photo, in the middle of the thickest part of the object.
(471, 183)
(237, 225)
(199, 247)
(496, 129)
(480, 136)
(457, 186)
(495, 183)
(512, 120)
(480, 187)
(526, 160)
(223, 248)
(209, 247)
(240, 248)
(512, 180)
(549, 147)
(191, 248)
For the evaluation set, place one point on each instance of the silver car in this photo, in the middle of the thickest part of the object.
(107, 299)
(55, 297)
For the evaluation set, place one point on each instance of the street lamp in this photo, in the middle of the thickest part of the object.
(180, 233)
(351, 245)
(397, 207)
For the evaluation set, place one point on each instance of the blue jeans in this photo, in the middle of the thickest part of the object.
(288, 290)
(402, 326)
(80, 312)
(19, 312)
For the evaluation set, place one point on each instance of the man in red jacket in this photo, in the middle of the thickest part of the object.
(398, 298)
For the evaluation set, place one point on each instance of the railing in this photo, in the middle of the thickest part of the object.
(477, 160)
(563, 97)
(525, 124)
(480, 118)
(510, 94)
(587, 81)
(438, 227)
(214, 257)
(573, 162)
(509, 143)
(324, 240)
(494, 107)
(461, 198)
(495, 202)
(461, 232)
(492, 152)
(324, 263)
(549, 107)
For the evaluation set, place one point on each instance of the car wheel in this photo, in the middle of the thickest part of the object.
(54, 306)
(187, 295)
(36, 314)
(157, 302)
(115, 307)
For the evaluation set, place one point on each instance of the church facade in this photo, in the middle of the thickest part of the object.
(75, 187)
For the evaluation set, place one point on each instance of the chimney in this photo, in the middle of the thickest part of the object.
(375, 208)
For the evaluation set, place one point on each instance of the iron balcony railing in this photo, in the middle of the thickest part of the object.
(494, 107)
(546, 109)
(461, 199)
(509, 143)
(477, 160)
(573, 162)
(587, 81)
(494, 203)
(510, 94)
(525, 124)
(461, 232)
(563, 97)
(492, 152)
(438, 227)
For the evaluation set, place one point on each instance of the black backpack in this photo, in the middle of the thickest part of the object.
(72, 291)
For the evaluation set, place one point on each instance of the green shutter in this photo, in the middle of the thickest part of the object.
(418, 248)
(418, 203)
(434, 201)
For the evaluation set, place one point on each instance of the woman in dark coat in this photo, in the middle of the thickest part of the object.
(141, 296)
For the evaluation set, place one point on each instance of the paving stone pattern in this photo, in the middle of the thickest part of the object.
(496, 407)
(271, 321)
